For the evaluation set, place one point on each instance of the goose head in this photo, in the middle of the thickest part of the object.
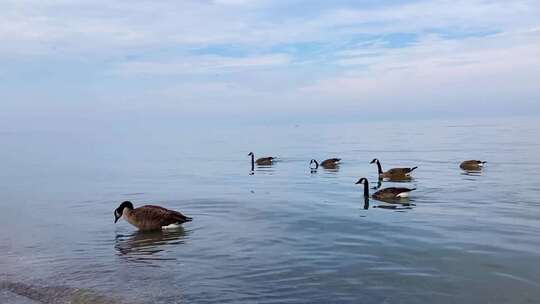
(250, 154)
(120, 210)
(363, 180)
(374, 161)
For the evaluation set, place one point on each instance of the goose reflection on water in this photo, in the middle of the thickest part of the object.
(392, 205)
(470, 175)
(264, 169)
(146, 246)
(472, 172)
(331, 171)
(398, 179)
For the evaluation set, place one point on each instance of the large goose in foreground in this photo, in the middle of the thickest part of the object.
(149, 217)
(472, 165)
(394, 173)
(391, 193)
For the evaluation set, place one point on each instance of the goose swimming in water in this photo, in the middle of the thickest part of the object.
(330, 163)
(263, 161)
(149, 217)
(391, 193)
(394, 173)
(472, 165)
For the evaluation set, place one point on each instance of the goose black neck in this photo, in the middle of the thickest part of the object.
(316, 164)
(252, 162)
(366, 188)
(379, 167)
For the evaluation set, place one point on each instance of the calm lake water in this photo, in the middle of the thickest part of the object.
(282, 235)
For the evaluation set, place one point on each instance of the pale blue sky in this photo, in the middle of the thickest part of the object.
(236, 60)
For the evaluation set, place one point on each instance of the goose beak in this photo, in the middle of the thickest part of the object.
(358, 182)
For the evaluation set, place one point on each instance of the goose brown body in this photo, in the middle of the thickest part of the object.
(264, 161)
(392, 193)
(330, 163)
(472, 165)
(394, 173)
(149, 217)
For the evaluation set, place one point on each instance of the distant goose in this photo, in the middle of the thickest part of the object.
(263, 161)
(472, 165)
(394, 173)
(149, 217)
(330, 163)
(391, 193)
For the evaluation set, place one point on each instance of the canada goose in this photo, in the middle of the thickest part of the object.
(394, 173)
(263, 161)
(149, 217)
(472, 165)
(330, 163)
(391, 193)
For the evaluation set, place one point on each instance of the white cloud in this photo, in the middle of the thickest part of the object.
(103, 27)
(498, 68)
(354, 66)
(202, 64)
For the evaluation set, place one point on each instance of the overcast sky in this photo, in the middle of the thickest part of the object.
(281, 59)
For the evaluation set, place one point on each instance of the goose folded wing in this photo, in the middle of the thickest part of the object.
(160, 214)
(402, 190)
(330, 162)
(399, 171)
(264, 160)
(395, 190)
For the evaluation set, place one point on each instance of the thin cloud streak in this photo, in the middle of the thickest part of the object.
(101, 26)
(202, 64)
